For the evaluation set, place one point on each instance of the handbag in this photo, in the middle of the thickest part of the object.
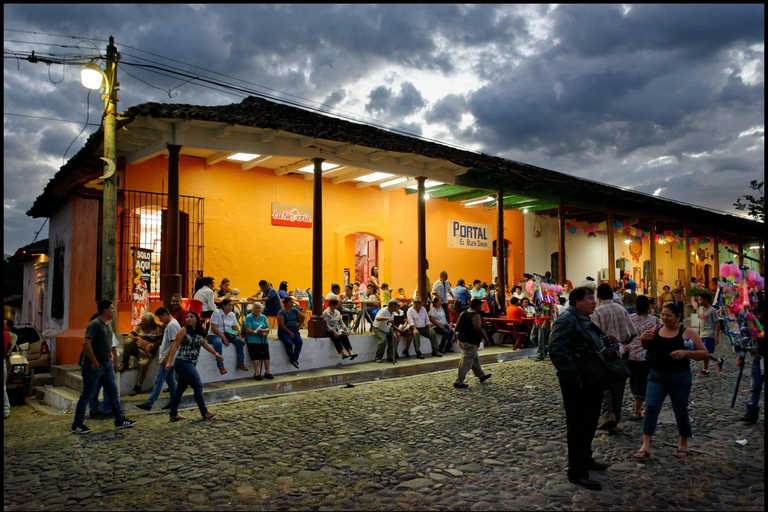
(605, 367)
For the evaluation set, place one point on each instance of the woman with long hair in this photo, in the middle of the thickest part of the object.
(187, 343)
(670, 374)
(374, 279)
(282, 291)
(638, 366)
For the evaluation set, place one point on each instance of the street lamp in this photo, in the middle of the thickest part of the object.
(93, 77)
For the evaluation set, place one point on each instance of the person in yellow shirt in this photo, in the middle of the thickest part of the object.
(386, 294)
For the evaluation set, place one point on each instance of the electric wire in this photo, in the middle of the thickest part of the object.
(47, 118)
(87, 118)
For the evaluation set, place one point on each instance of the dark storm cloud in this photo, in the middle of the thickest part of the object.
(383, 99)
(615, 83)
(624, 98)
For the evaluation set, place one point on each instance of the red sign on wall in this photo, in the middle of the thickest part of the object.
(293, 215)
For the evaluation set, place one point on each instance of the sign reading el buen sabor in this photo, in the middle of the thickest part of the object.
(466, 235)
(293, 215)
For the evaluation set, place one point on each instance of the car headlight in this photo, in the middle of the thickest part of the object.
(18, 369)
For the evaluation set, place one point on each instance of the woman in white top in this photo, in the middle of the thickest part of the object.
(527, 307)
(441, 326)
(338, 332)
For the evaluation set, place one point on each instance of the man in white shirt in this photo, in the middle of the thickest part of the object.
(442, 288)
(334, 293)
(224, 330)
(614, 321)
(205, 295)
(422, 325)
(385, 333)
(172, 327)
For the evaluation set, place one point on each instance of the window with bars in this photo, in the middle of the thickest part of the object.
(140, 223)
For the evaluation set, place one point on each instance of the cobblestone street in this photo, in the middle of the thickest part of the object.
(412, 443)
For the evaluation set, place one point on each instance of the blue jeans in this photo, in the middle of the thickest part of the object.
(447, 336)
(756, 386)
(217, 344)
(292, 347)
(370, 314)
(160, 377)
(678, 387)
(104, 375)
(93, 406)
(543, 335)
(630, 308)
(188, 376)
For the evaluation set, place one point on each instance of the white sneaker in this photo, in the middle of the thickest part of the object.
(126, 424)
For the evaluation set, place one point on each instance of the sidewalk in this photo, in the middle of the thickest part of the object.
(60, 398)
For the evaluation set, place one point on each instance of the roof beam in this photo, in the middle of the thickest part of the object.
(397, 186)
(150, 151)
(253, 163)
(350, 176)
(217, 157)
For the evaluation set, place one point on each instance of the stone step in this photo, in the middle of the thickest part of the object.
(59, 398)
(42, 379)
(60, 371)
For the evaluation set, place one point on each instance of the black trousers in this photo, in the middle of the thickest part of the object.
(582, 411)
(341, 341)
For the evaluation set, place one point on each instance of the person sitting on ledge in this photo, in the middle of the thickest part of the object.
(385, 334)
(421, 325)
(289, 321)
(143, 342)
(256, 329)
(338, 332)
(441, 326)
(225, 330)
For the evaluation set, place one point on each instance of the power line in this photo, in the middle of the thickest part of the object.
(55, 35)
(48, 119)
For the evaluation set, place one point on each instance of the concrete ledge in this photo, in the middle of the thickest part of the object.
(295, 380)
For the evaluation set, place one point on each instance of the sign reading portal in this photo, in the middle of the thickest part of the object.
(466, 235)
(293, 215)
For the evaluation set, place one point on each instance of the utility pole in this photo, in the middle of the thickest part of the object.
(109, 211)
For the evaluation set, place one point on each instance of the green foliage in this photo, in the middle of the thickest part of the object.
(695, 291)
(754, 206)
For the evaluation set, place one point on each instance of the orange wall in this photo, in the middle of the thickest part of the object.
(243, 245)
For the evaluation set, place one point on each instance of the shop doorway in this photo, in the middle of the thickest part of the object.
(366, 257)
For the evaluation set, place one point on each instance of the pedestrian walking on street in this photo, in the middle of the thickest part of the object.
(186, 350)
(470, 331)
(162, 376)
(670, 374)
(97, 366)
(573, 333)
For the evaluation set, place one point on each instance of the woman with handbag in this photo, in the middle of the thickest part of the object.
(670, 374)
(289, 321)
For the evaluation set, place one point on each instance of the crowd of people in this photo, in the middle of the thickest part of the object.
(658, 351)
(568, 324)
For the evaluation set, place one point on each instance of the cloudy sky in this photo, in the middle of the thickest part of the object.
(663, 99)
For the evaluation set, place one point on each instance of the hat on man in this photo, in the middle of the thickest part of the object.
(416, 298)
(393, 302)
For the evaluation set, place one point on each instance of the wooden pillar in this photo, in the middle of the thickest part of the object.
(653, 278)
(316, 326)
(717, 256)
(741, 251)
(611, 252)
(421, 214)
(171, 280)
(500, 252)
(561, 243)
(687, 245)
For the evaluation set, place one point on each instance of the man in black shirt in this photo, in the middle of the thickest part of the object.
(97, 366)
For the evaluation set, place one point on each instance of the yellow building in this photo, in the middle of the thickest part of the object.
(247, 194)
